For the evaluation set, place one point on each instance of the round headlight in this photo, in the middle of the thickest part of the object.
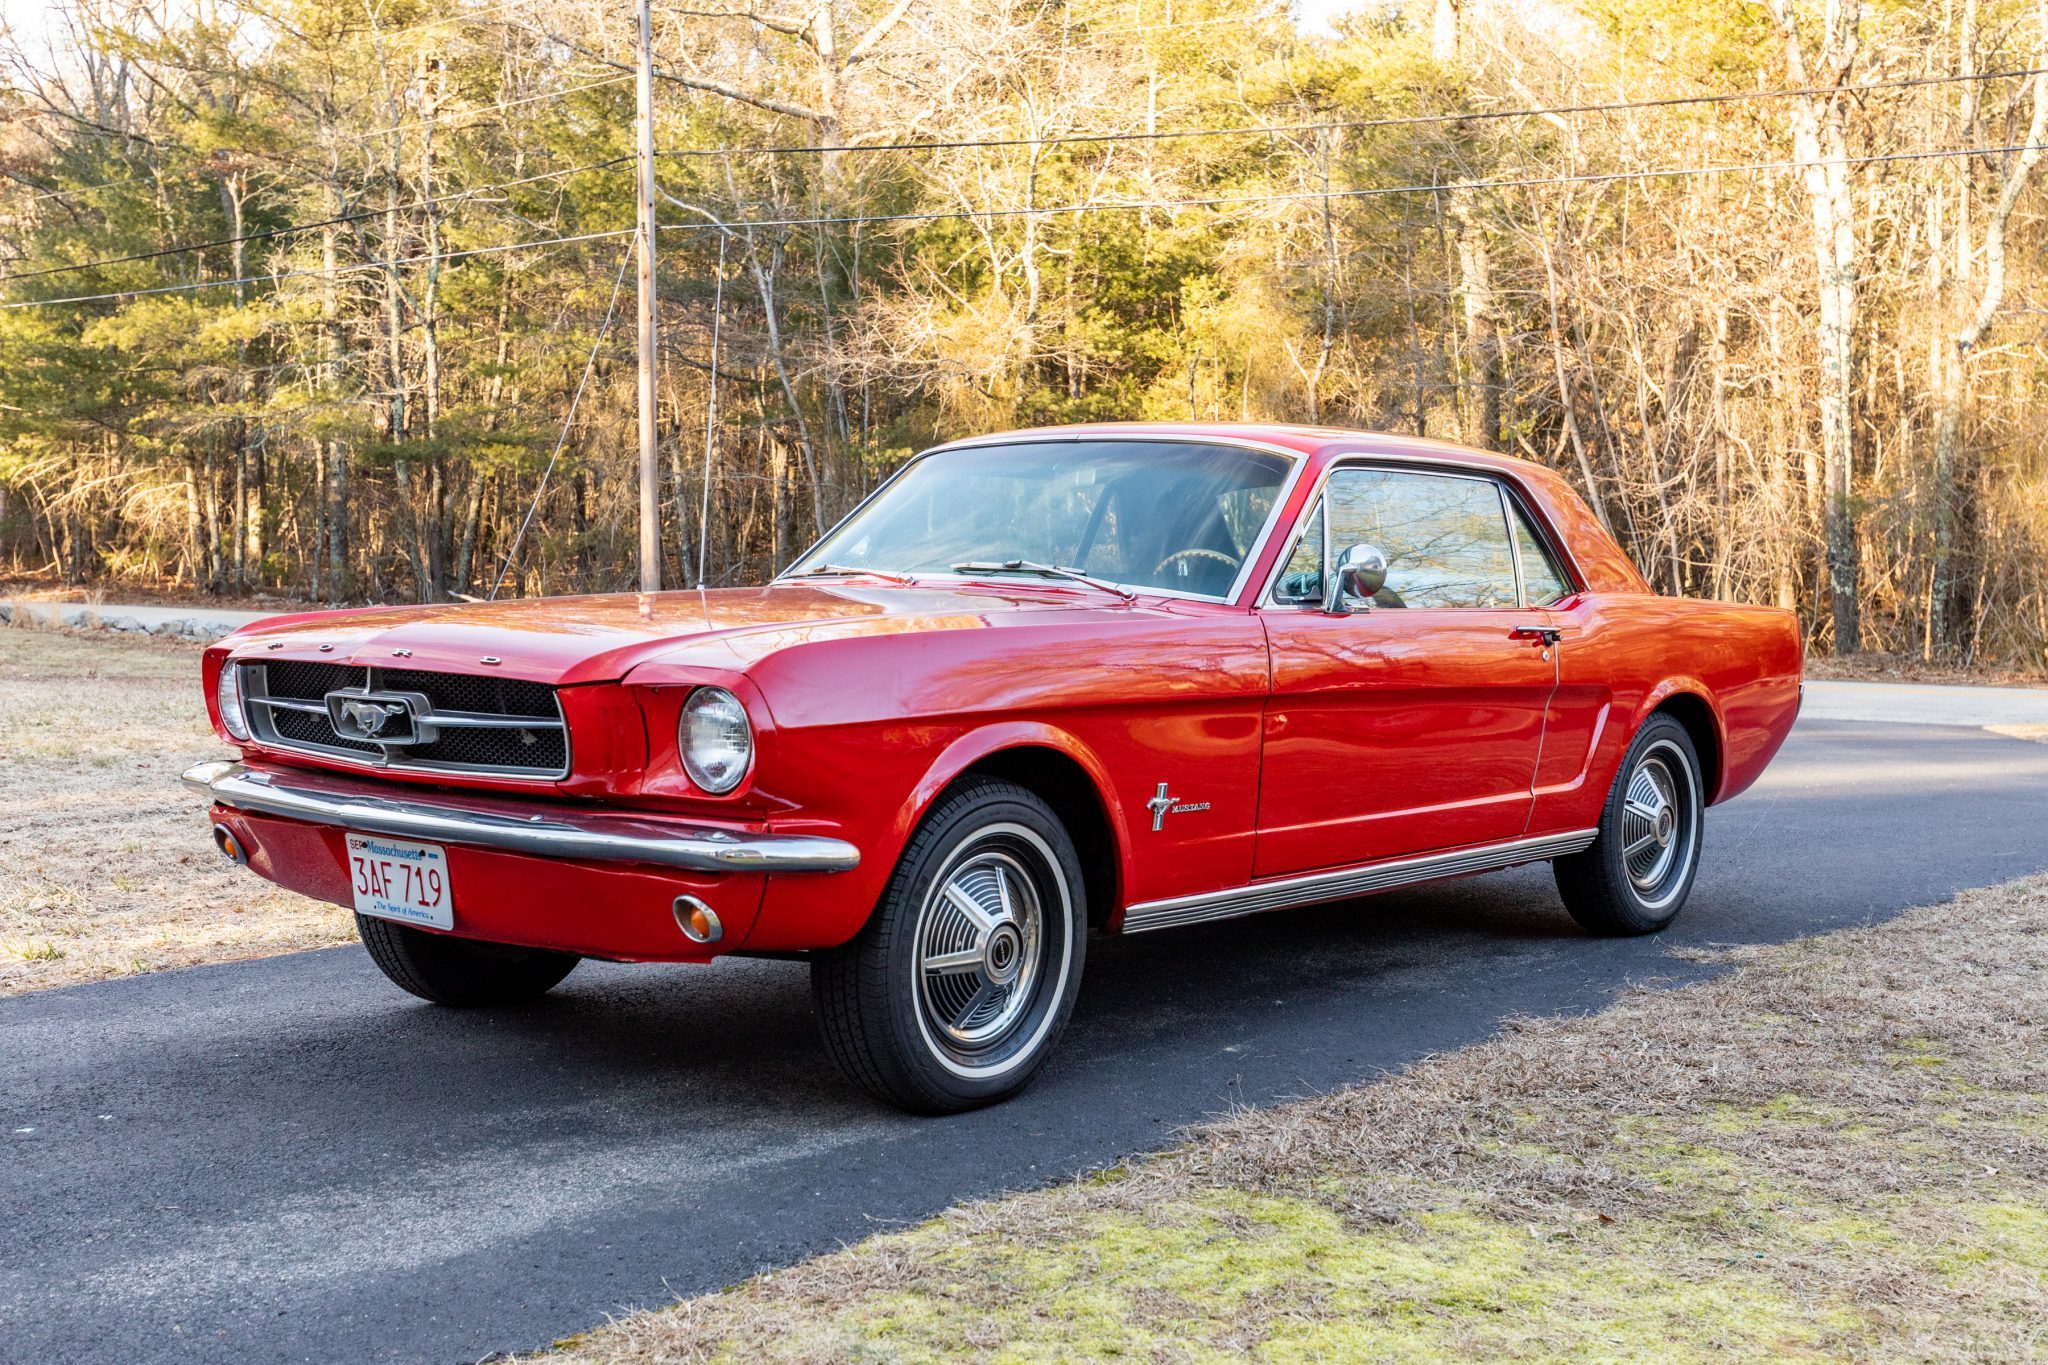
(227, 692)
(716, 740)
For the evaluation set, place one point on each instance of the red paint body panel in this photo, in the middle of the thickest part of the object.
(1170, 693)
(1392, 733)
(1306, 741)
(1624, 655)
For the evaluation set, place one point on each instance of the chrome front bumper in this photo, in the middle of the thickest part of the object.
(514, 826)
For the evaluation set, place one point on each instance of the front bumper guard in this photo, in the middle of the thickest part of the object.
(515, 826)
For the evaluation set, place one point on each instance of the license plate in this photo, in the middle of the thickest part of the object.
(393, 879)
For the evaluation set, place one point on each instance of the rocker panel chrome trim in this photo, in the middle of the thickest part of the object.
(1342, 883)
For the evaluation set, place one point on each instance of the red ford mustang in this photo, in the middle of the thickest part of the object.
(1112, 678)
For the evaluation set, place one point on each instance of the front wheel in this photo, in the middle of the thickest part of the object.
(954, 993)
(1635, 877)
(458, 971)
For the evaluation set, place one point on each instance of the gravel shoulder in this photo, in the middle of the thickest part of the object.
(2036, 733)
(105, 868)
(1835, 1150)
(1910, 668)
(1925, 704)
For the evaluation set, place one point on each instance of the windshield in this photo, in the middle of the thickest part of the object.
(1153, 514)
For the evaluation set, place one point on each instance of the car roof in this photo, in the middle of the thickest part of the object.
(1302, 440)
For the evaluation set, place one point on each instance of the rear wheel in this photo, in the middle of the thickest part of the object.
(1637, 874)
(459, 971)
(955, 992)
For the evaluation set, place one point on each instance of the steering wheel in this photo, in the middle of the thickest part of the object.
(1229, 561)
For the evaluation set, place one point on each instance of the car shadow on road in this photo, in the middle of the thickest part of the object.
(741, 1036)
(704, 1043)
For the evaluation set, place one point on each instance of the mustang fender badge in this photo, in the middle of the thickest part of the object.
(1164, 803)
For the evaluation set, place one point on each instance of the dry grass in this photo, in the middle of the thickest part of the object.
(1911, 668)
(105, 867)
(140, 592)
(1839, 1149)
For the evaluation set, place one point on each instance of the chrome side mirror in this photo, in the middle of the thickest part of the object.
(1360, 572)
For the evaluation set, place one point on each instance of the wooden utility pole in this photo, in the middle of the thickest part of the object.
(650, 463)
(710, 420)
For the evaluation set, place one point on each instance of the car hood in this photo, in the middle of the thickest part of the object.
(569, 640)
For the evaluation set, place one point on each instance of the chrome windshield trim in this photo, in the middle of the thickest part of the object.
(946, 578)
(515, 826)
(1296, 462)
(1284, 893)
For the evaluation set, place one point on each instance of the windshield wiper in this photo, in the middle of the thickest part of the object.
(848, 571)
(1045, 570)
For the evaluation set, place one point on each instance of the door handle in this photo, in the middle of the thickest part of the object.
(1549, 635)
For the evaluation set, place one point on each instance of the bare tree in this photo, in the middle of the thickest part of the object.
(1953, 358)
(1820, 144)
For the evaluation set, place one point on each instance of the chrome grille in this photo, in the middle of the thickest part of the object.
(471, 723)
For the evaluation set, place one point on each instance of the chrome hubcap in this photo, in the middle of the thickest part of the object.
(980, 943)
(1656, 829)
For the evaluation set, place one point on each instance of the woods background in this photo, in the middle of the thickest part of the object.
(1790, 345)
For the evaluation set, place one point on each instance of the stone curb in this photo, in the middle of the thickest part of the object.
(76, 616)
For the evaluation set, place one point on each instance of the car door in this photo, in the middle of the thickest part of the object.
(1412, 722)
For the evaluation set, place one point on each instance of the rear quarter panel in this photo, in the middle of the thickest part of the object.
(1626, 654)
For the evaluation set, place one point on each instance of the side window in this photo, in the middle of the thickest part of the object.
(1302, 581)
(1445, 538)
(1545, 582)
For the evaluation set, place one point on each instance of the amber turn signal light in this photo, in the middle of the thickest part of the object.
(698, 921)
(224, 839)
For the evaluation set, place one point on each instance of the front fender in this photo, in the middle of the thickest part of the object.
(810, 912)
(990, 740)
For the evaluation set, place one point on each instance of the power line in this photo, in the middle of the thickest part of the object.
(1445, 187)
(455, 120)
(1242, 130)
(1267, 18)
(281, 275)
(290, 229)
(467, 17)
(497, 108)
(1339, 125)
(1129, 205)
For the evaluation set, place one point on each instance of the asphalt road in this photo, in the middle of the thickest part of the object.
(287, 1159)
